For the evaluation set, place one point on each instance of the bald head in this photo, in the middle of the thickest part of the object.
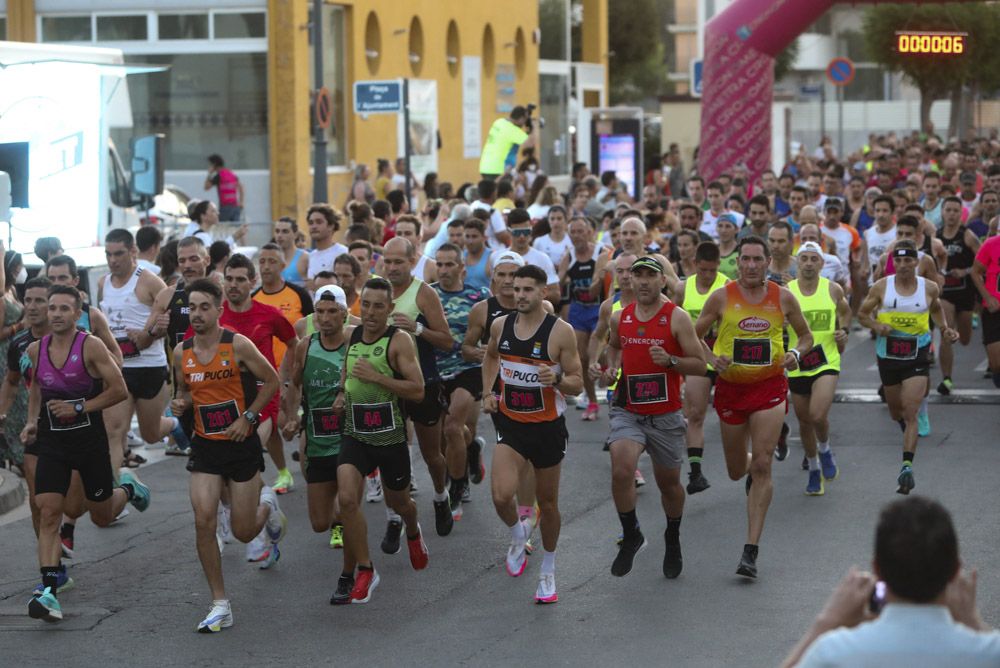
(400, 246)
(809, 232)
(632, 235)
(808, 215)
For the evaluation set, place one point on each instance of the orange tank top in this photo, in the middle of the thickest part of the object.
(751, 336)
(220, 390)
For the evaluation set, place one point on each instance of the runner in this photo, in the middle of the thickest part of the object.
(632, 238)
(293, 301)
(381, 372)
(296, 259)
(750, 392)
(906, 303)
(881, 234)
(986, 279)
(814, 383)
(577, 272)
(227, 381)
(782, 268)
(476, 255)
(61, 270)
(653, 345)
(692, 293)
(324, 221)
(315, 382)
(75, 379)
(958, 296)
(536, 358)
(461, 379)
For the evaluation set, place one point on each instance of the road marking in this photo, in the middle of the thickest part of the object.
(865, 396)
(982, 366)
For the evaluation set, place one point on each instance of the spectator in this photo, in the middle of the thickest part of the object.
(383, 180)
(46, 247)
(504, 135)
(497, 235)
(431, 187)
(361, 190)
(229, 188)
(398, 207)
(204, 216)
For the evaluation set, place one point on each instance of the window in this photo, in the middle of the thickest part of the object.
(240, 25)
(67, 29)
(183, 26)
(553, 106)
(334, 48)
(121, 28)
(553, 23)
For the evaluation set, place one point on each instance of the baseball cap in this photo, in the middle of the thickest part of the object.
(332, 293)
(729, 218)
(646, 262)
(810, 247)
(834, 203)
(508, 256)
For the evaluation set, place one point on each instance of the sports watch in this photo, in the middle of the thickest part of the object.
(251, 417)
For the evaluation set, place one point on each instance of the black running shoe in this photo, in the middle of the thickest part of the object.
(697, 482)
(443, 521)
(474, 456)
(627, 549)
(672, 561)
(390, 541)
(748, 562)
(781, 452)
(343, 594)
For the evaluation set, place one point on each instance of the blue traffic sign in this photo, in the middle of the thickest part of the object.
(840, 71)
(378, 97)
(697, 77)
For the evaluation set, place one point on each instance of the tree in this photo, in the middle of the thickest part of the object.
(636, 69)
(783, 61)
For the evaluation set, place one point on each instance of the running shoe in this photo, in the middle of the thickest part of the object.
(63, 583)
(590, 414)
(273, 554)
(672, 560)
(474, 457)
(176, 450)
(418, 551)
(466, 494)
(45, 606)
(697, 482)
(342, 595)
(444, 520)
(67, 542)
(923, 423)
(390, 541)
(140, 493)
(517, 558)
(122, 515)
(639, 480)
(828, 464)
(748, 562)
(532, 519)
(905, 480)
(219, 617)
(373, 492)
(337, 537)
(277, 523)
(627, 549)
(815, 485)
(223, 526)
(455, 499)
(284, 483)
(364, 585)
(546, 592)
(258, 548)
(945, 387)
(781, 452)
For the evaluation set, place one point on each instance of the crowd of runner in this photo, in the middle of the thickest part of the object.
(514, 301)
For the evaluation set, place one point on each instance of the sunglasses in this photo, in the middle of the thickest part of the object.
(523, 232)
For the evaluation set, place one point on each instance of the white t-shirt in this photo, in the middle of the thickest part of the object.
(878, 242)
(834, 270)
(420, 267)
(554, 249)
(148, 266)
(537, 258)
(495, 226)
(322, 260)
(538, 211)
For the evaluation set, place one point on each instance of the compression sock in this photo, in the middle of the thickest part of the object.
(66, 530)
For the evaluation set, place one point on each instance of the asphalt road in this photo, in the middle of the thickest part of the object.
(140, 593)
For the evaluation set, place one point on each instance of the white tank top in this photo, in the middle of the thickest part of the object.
(878, 242)
(124, 312)
(895, 302)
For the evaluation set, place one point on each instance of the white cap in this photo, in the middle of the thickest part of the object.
(810, 247)
(509, 256)
(335, 292)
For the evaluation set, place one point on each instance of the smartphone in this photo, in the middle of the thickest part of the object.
(877, 601)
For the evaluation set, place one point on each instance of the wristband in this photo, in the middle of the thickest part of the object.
(796, 354)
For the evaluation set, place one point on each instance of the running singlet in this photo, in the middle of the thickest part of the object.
(910, 321)
(261, 324)
(17, 354)
(522, 396)
(406, 304)
(580, 275)
(320, 386)
(374, 414)
(291, 272)
(728, 266)
(960, 256)
(694, 302)
(878, 243)
(221, 391)
(648, 388)
(71, 383)
(820, 312)
(989, 257)
(494, 310)
(751, 335)
(475, 274)
(180, 315)
(616, 305)
(293, 302)
(457, 306)
(124, 312)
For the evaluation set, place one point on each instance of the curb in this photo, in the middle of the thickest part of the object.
(12, 491)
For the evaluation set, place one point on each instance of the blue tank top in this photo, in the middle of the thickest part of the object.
(291, 272)
(865, 220)
(475, 274)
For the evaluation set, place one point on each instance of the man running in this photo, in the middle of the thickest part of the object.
(577, 272)
(380, 374)
(653, 344)
(814, 383)
(958, 296)
(75, 378)
(217, 372)
(906, 304)
(61, 270)
(536, 358)
(315, 380)
(750, 391)
(633, 241)
(986, 279)
(691, 295)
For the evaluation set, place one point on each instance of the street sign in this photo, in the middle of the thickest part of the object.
(378, 97)
(811, 90)
(697, 76)
(840, 71)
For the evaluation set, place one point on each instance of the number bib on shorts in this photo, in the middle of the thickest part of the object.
(216, 418)
(752, 352)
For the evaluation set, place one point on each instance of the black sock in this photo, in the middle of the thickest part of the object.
(66, 530)
(464, 481)
(347, 576)
(752, 549)
(50, 577)
(129, 491)
(369, 567)
(694, 459)
(908, 458)
(630, 523)
(673, 527)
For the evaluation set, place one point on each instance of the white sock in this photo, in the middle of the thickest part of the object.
(517, 532)
(391, 516)
(923, 407)
(824, 446)
(814, 463)
(221, 601)
(439, 497)
(548, 562)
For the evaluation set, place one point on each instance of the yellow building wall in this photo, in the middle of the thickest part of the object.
(375, 136)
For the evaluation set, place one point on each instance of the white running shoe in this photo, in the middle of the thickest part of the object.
(546, 592)
(277, 523)
(517, 558)
(219, 617)
(259, 547)
(374, 489)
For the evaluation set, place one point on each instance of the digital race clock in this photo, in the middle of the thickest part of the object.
(922, 42)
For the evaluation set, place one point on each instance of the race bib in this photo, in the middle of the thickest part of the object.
(813, 359)
(128, 348)
(647, 388)
(901, 347)
(373, 418)
(75, 421)
(216, 418)
(325, 422)
(954, 282)
(520, 399)
(752, 352)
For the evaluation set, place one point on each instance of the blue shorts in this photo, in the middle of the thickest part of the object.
(583, 317)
